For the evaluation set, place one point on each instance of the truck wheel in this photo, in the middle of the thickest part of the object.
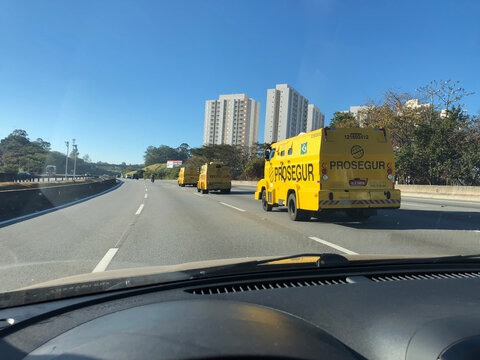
(183, 185)
(198, 189)
(204, 191)
(357, 214)
(226, 191)
(295, 213)
(266, 206)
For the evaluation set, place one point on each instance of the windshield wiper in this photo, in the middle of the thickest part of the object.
(322, 260)
(472, 258)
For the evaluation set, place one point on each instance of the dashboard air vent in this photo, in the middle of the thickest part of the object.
(425, 276)
(265, 285)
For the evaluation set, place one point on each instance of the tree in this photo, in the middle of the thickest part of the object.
(45, 145)
(443, 94)
(156, 155)
(87, 158)
(254, 169)
(344, 119)
(74, 152)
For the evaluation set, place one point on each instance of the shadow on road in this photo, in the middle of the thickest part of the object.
(403, 219)
(235, 192)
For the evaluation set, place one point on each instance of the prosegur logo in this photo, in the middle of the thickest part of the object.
(303, 148)
(357, 151)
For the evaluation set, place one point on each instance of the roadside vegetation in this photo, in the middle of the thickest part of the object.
(436, 142)
(246, 163)
(19, 153)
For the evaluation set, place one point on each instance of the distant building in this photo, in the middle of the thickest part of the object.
(415, 104)
(315, 118)
(359, 112)
(232, 119)
(287, 114)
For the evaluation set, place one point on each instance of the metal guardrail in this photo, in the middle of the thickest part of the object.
(43, 178)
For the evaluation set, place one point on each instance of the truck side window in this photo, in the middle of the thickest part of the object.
(282, 153)
(272, 154)
(290, 151)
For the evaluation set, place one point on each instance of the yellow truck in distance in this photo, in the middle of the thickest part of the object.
(350, 169)
(187, 176)
(214, 176)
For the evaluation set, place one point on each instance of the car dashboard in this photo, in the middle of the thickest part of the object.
(425, 312)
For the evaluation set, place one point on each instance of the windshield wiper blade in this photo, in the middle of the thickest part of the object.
(471, 258)
(278, 263)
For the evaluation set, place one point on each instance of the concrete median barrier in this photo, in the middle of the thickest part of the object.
(14, 203)
(469, 193)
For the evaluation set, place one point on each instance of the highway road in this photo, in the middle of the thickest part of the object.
(143, 224)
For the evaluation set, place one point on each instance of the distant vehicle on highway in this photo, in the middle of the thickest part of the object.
(51, 170)
(214, 176)
(24, 175)
(129, 176)
(135, 176)
(187, 176)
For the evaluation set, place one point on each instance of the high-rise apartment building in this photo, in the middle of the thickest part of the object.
(315, 118)
(287, 114)
(232, 119)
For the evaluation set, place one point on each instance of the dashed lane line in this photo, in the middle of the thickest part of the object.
(102, 265)
(335, 246)
(233, 207)
(139, 209)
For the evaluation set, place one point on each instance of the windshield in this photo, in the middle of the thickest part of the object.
(371, 111)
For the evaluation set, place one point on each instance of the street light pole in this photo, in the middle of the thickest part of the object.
(74, 157)
(66, 160)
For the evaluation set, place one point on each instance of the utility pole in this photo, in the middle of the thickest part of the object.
(74, 158)
(66, 160)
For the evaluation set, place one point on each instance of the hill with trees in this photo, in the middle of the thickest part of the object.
(19, 153)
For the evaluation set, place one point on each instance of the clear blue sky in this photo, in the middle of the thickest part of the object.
(122, 75)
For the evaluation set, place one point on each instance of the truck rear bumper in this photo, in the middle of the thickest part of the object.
(359, 199)
(219, 186)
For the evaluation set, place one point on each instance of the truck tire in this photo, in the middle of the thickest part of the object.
(226, 191)
(183, 185)
(198, 189)
(204, 191)
(295, 213)
(266, 206)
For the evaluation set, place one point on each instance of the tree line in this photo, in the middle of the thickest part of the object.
(245, 162)
(19, 153)
(436, 142)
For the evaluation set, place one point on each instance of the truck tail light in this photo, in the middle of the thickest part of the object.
(207, 179)
(324, 168)
(229, 178)
(389, 171)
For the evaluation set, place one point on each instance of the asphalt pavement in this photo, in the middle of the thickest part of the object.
(144, 224)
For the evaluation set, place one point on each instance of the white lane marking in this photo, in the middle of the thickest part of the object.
(102, 265)
(233, 207)
(139, 210)
(198, 194)
(342, 249)
(477, 231)
(146, 189)
(418, 205)
(146, 195)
